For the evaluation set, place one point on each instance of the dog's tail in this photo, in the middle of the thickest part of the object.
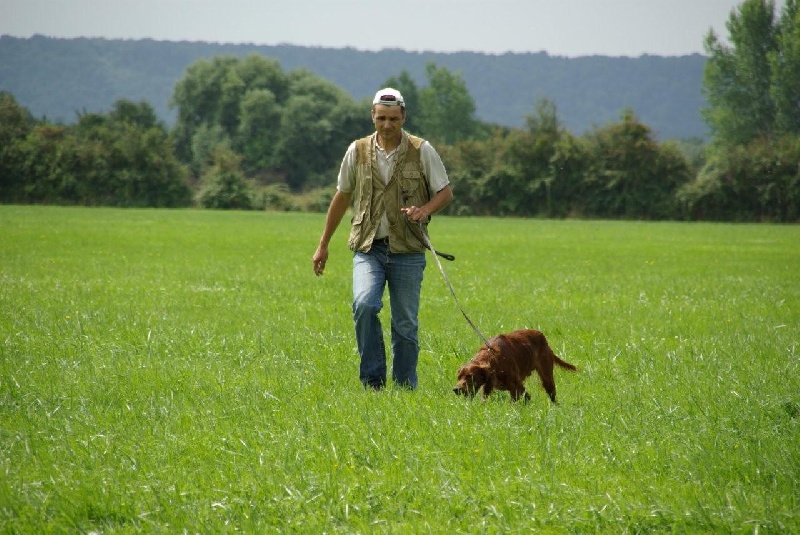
(563, 363)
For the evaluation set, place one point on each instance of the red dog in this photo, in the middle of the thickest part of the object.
(511, 360)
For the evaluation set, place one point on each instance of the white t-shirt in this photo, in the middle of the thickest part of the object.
(432, 166)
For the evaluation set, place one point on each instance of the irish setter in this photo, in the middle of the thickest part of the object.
(513, 357)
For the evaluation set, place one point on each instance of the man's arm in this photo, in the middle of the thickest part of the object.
(336, 210)
(437, 202)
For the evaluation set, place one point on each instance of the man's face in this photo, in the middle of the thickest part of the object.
(388, 121)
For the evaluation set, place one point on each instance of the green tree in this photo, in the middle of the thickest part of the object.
(15, 125)
(126, 158)
(216, 93)
(231, 94)
(49, 162)
(139, 114)
(756, 182)
(752, 84)
(447, 111)
(469, 167)
(259, 127)
(629, 175)
(753, 90)
(287, 127)
(784, 62)
(568, 166)
(123, 158)
(533, 154)
(318, 121)
(223, 185)
(555, 164)
(521, 172)
(205, 142)
(196, 97)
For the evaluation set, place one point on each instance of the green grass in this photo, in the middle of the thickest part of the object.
(171, 371)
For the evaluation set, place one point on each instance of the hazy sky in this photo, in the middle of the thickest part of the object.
(559, 27)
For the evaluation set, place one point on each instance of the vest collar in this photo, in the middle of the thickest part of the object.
(399, 150)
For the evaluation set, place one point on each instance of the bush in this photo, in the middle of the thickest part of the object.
(756, 182)
(277, 197)
(226, 190)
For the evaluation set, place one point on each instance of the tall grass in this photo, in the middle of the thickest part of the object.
(168, 371)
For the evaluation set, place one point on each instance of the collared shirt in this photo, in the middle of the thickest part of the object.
(431, 162)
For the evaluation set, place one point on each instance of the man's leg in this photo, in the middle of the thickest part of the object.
(369, 280)
(404, 275)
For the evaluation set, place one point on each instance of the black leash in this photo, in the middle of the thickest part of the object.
(446, 256)
(429, 245)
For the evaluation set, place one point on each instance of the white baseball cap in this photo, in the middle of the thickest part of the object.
(389, 97)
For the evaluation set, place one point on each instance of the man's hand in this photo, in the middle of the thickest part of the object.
(319, 259)
(421, 214)
(416, 214)
(336, 211)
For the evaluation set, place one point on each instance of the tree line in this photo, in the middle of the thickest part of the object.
(55, 77)
(249, 135)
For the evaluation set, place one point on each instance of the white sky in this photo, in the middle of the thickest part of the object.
(559, 27)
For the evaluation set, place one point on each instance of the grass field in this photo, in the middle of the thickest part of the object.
(184, 371)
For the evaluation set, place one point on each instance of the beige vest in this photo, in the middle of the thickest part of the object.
(407, 186)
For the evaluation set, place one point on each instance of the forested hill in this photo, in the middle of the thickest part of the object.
(58, 78)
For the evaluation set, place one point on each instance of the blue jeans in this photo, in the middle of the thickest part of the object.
(372, 271)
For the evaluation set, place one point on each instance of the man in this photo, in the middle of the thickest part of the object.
(395, 181)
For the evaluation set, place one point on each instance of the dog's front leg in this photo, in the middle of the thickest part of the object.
(520, 392)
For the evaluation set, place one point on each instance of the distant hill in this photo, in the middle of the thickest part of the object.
(57, 78)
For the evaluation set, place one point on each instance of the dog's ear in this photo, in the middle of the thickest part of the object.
(463, 372)
(470, 375)
(487, 374)
(487, 379)
(477, 375)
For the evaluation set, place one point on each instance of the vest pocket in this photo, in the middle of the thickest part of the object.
(356, 239)
(357, 218)
(409, 186)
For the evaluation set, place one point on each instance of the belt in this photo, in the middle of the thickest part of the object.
(381, 241)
